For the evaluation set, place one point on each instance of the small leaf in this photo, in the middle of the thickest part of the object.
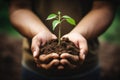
(66, 17)
(55, 23)
(69, 20)
(51, 16)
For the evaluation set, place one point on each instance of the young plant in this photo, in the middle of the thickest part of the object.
(58, 19)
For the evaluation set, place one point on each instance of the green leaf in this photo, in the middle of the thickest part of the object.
(69, 20)
(66, 17)
(55, 23)
(51, 16)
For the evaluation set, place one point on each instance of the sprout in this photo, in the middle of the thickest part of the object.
(57, 20)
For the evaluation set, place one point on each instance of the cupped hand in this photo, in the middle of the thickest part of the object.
(73, 61)
(39, 40)
(46, 61)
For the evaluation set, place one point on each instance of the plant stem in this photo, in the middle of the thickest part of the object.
(59, 35)
(59, 29)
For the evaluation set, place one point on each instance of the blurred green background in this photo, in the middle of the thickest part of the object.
(5, 26)
(112, 34)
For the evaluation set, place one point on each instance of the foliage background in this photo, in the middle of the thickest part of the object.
(113, 32)
(5, 26)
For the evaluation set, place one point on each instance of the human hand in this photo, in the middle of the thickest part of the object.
(73, 61)
(68, 61)
(46, 61)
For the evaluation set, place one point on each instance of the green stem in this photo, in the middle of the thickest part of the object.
(59, 35)
(59, 29)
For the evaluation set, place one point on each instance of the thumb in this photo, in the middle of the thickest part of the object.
(36, 52)
(54, 36)
(65, 36)
(83, 50)
(82, 55)
(35, 47)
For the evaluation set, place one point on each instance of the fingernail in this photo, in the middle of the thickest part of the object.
(60, 67)
(83, 56)
(34, 54)
(54, 55)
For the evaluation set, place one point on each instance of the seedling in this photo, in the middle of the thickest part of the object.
(57, 20)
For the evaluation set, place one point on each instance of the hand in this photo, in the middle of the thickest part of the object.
(68, 61)
(73, 60)
(46, 61)
(40, 39)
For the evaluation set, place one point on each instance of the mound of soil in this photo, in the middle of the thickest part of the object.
(66, 46)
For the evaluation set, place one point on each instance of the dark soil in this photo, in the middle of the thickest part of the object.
(66, 46)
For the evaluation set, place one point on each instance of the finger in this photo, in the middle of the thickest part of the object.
(60, 67)
(46, 58)
(71, 58)
(65, 36)
(67, 64)
(51, 65)
(82, 54)
(35, 47)
(54, 37)
(83, 49)
(43, 42)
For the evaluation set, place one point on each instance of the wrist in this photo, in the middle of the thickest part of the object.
(39, 30)
(80, 32)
